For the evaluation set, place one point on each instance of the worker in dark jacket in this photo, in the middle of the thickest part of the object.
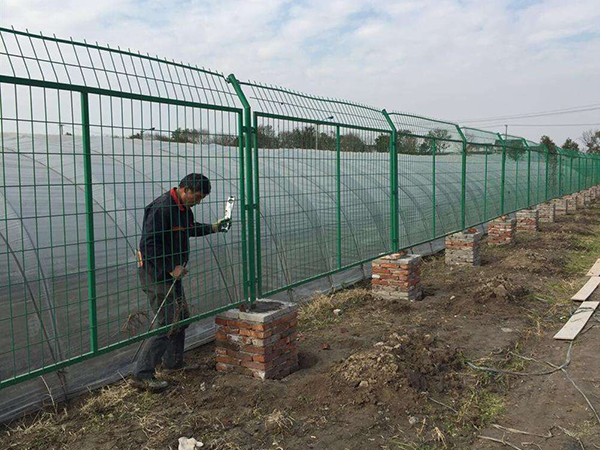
(162, 257)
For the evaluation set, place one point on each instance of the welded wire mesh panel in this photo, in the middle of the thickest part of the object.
(128, 173)
(416, 181)
(44, 279)
(323, 183)
(429, 177)
(89, 137)
(43, 274)
(50, 59)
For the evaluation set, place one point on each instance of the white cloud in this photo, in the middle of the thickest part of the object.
(452, 59)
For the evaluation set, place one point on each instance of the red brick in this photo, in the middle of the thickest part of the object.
(227, 360)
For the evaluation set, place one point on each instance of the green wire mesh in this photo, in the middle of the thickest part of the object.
(91, 134)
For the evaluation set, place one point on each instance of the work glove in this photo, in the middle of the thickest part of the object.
(222, 225)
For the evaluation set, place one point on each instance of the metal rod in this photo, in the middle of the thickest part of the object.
(89, 221)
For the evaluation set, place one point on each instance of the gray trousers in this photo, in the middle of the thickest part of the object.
(166, 347)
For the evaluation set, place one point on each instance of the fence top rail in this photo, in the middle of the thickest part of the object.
(425, 127)
(279, 101)
(475, 136)
(41, 58)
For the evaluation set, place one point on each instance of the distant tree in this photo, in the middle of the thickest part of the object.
(326, 141)
(407, 143)
(591, 140)
(571, 145)
(226, 140)
(441, 141)
(185, 135)
(352, 142)
(549, 143)
(298, 138)
(382, 143)
(266, 137)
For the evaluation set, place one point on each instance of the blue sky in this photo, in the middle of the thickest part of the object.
(451, 59)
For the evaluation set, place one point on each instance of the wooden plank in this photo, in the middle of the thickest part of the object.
(595, 270)
(586, 290)
(577, 321)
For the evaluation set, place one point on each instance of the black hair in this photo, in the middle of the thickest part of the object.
(196, 182)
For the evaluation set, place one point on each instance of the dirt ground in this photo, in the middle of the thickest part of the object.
(385, 374)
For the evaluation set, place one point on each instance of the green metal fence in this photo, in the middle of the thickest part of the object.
(90, 135)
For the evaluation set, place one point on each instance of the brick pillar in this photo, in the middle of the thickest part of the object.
(587, 200)
(563, 206)
(547, 212)
(259, 343)
(397, 276)
(592, 193)
(574, 202)
(501, 231)
(527, 220)
(462, 248)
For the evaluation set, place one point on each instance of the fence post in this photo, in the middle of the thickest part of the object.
(394, 185)
(463, 196)
(503, 175)
(249, 188)
(571, 188)
(338, 181)
(560, 176)
(433, 218)
(89, 220)
(547, 169)
(485, 183)
(528, 175)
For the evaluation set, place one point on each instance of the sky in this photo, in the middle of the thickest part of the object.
(459, 60)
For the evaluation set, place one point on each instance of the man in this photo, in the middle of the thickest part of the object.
(162, 257)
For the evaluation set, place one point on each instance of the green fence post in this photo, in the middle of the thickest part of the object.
(547, 174)
(249, 200)
(89, 220)
(528, 175)
(571, 188)
(579, 180)
(338, 179)
(433, 224)
(394, 185)
(485, 183)
(463, 188)
(502, 176)
(559, 175)
(256, 190)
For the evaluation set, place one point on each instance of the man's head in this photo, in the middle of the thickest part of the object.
(193, 188)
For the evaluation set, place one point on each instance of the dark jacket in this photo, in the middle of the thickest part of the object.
(165, 242)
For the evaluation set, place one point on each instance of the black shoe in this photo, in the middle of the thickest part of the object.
(150, 384)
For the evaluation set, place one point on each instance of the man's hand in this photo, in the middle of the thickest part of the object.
(178, 272)
(221, 226)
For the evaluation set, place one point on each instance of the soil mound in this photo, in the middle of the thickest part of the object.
(412, 361)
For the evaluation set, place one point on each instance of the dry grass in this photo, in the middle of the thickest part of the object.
(317, 313)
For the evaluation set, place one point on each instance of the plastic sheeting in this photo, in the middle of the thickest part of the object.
(43, 285)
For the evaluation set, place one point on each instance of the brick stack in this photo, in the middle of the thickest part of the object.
(462, 248)
(397, 276)
(502, 231)
(587, 199)
(562, 206)
(575, 202)
(547, 212)
(528, 220)
(259, 343)
(592, 193)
